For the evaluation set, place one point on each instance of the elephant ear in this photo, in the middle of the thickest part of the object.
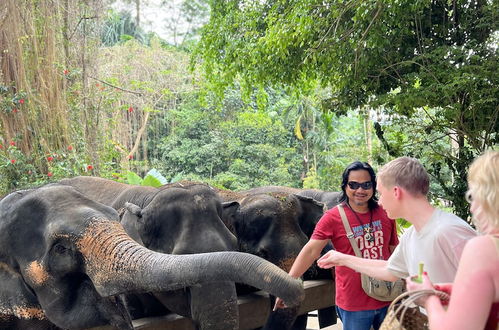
(16, 298)
(229, 212)
(312, 210)
(134, 209)
(331, 198)
(131, 219)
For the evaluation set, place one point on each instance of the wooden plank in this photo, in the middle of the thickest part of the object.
(166, 322)
(254, 309)
(318, 294)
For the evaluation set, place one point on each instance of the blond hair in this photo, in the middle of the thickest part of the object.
(407, 173)
(483, 182)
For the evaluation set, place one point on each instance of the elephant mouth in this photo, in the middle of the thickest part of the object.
(84, 307)
(286, 264)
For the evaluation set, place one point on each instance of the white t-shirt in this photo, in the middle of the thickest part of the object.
(438, 245)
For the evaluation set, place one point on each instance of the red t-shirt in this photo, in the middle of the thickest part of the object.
(349, 293)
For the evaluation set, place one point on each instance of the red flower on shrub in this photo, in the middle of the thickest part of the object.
(50, 158)
(90, 167)
(66, 71)
(21, 101)
(13, 161)
(70, 148)
(1, 146)
(14, 110)
(130, 156)
(12, 143)
(130, 109)
(49, 174)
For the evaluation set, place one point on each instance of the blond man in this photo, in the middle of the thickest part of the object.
(436, 238)
(474, 303)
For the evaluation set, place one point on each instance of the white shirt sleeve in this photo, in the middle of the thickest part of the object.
(397, 261)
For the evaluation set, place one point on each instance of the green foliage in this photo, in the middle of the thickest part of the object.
(153, 178)
(232, 148)
(402, 225)
(137, 86)
(119, 28)
(19, 170)
(425, 71)
(10, 101)
(311, 181)
(397, 56)
(185, 20)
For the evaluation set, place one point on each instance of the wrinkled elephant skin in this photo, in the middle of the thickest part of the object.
(174, 219)
(65, 259)
(269, 225)
(330, 199)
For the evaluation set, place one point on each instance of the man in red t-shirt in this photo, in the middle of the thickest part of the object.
(375, 234)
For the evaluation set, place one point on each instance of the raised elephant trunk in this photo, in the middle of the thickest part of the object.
(117, 264)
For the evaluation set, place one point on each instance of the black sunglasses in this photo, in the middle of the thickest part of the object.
(356, 185)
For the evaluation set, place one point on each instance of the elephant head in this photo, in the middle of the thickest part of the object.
(273, 223)
(65, 258)
(186, 220)
(180, 220)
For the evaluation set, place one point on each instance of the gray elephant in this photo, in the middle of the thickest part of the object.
(329, 198)
(327, 316)
(269, 225)
(65, 259)
(174, 219)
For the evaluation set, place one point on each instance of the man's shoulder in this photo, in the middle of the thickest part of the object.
(451, 227)
(333, 211)
(447, 218)
(332, 214)
(408, 233)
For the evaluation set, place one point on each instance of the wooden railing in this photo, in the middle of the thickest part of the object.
(254, 309)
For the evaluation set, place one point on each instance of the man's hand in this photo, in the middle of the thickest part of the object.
(279, 304)
(330, 259)
(412, 285)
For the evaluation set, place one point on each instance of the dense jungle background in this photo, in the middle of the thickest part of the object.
(246, 93)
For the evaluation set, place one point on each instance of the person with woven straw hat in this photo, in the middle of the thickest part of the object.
(436, 238)
(474, 302)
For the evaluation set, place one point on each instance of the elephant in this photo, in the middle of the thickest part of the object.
(268, 225)
(65, 261)
(329, 198)
(327, 316)
(174, 219)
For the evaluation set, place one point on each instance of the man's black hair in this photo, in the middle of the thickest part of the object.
(372, 203)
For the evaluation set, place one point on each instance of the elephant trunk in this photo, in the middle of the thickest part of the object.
(117, 265)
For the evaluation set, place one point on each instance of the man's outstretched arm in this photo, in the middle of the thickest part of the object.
(308, 254)
(372, 267)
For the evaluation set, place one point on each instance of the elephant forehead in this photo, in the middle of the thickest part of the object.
(204, 202)
(261, 201)
(168, 202)
(37, 273)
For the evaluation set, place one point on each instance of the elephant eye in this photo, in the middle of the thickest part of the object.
(59, 248)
